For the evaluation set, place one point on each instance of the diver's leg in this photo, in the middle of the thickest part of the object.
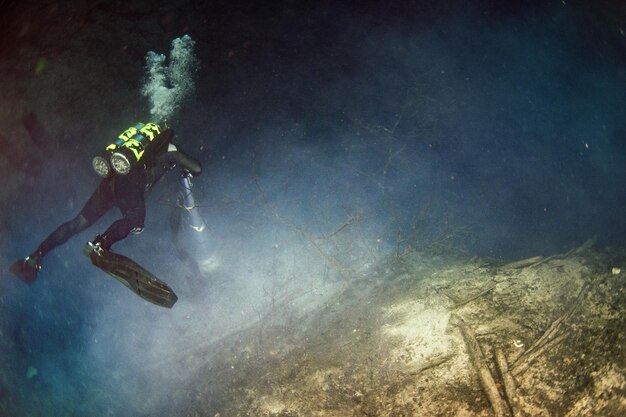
(134, 214)
(98, 204)
(63, 233)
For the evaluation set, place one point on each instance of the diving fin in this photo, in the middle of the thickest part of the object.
(132, 275)
(26, 269)
(23, 271)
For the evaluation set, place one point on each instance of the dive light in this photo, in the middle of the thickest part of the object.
(196, 223)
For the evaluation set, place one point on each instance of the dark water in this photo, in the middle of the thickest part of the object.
(500, 126)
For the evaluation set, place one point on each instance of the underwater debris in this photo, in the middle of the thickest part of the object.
(548, 337)
(332, 370)
(510, 388)
(478, 360)
(523, 263)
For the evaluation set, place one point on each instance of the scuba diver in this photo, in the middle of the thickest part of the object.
(130, 166)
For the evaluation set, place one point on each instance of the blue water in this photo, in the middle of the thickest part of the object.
(504, 127)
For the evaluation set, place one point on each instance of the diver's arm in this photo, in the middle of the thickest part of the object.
(185, 161)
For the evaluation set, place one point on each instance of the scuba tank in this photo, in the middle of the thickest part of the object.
(129, 148)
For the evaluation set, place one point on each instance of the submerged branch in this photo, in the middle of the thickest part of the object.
(478, 360)
(479, 295)
(433, 363)
(509, 383)
(530, 354)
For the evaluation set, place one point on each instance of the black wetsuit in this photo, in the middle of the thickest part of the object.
(125, 192)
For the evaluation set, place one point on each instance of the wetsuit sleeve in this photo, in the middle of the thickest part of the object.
(183, 160)
(167, 159)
